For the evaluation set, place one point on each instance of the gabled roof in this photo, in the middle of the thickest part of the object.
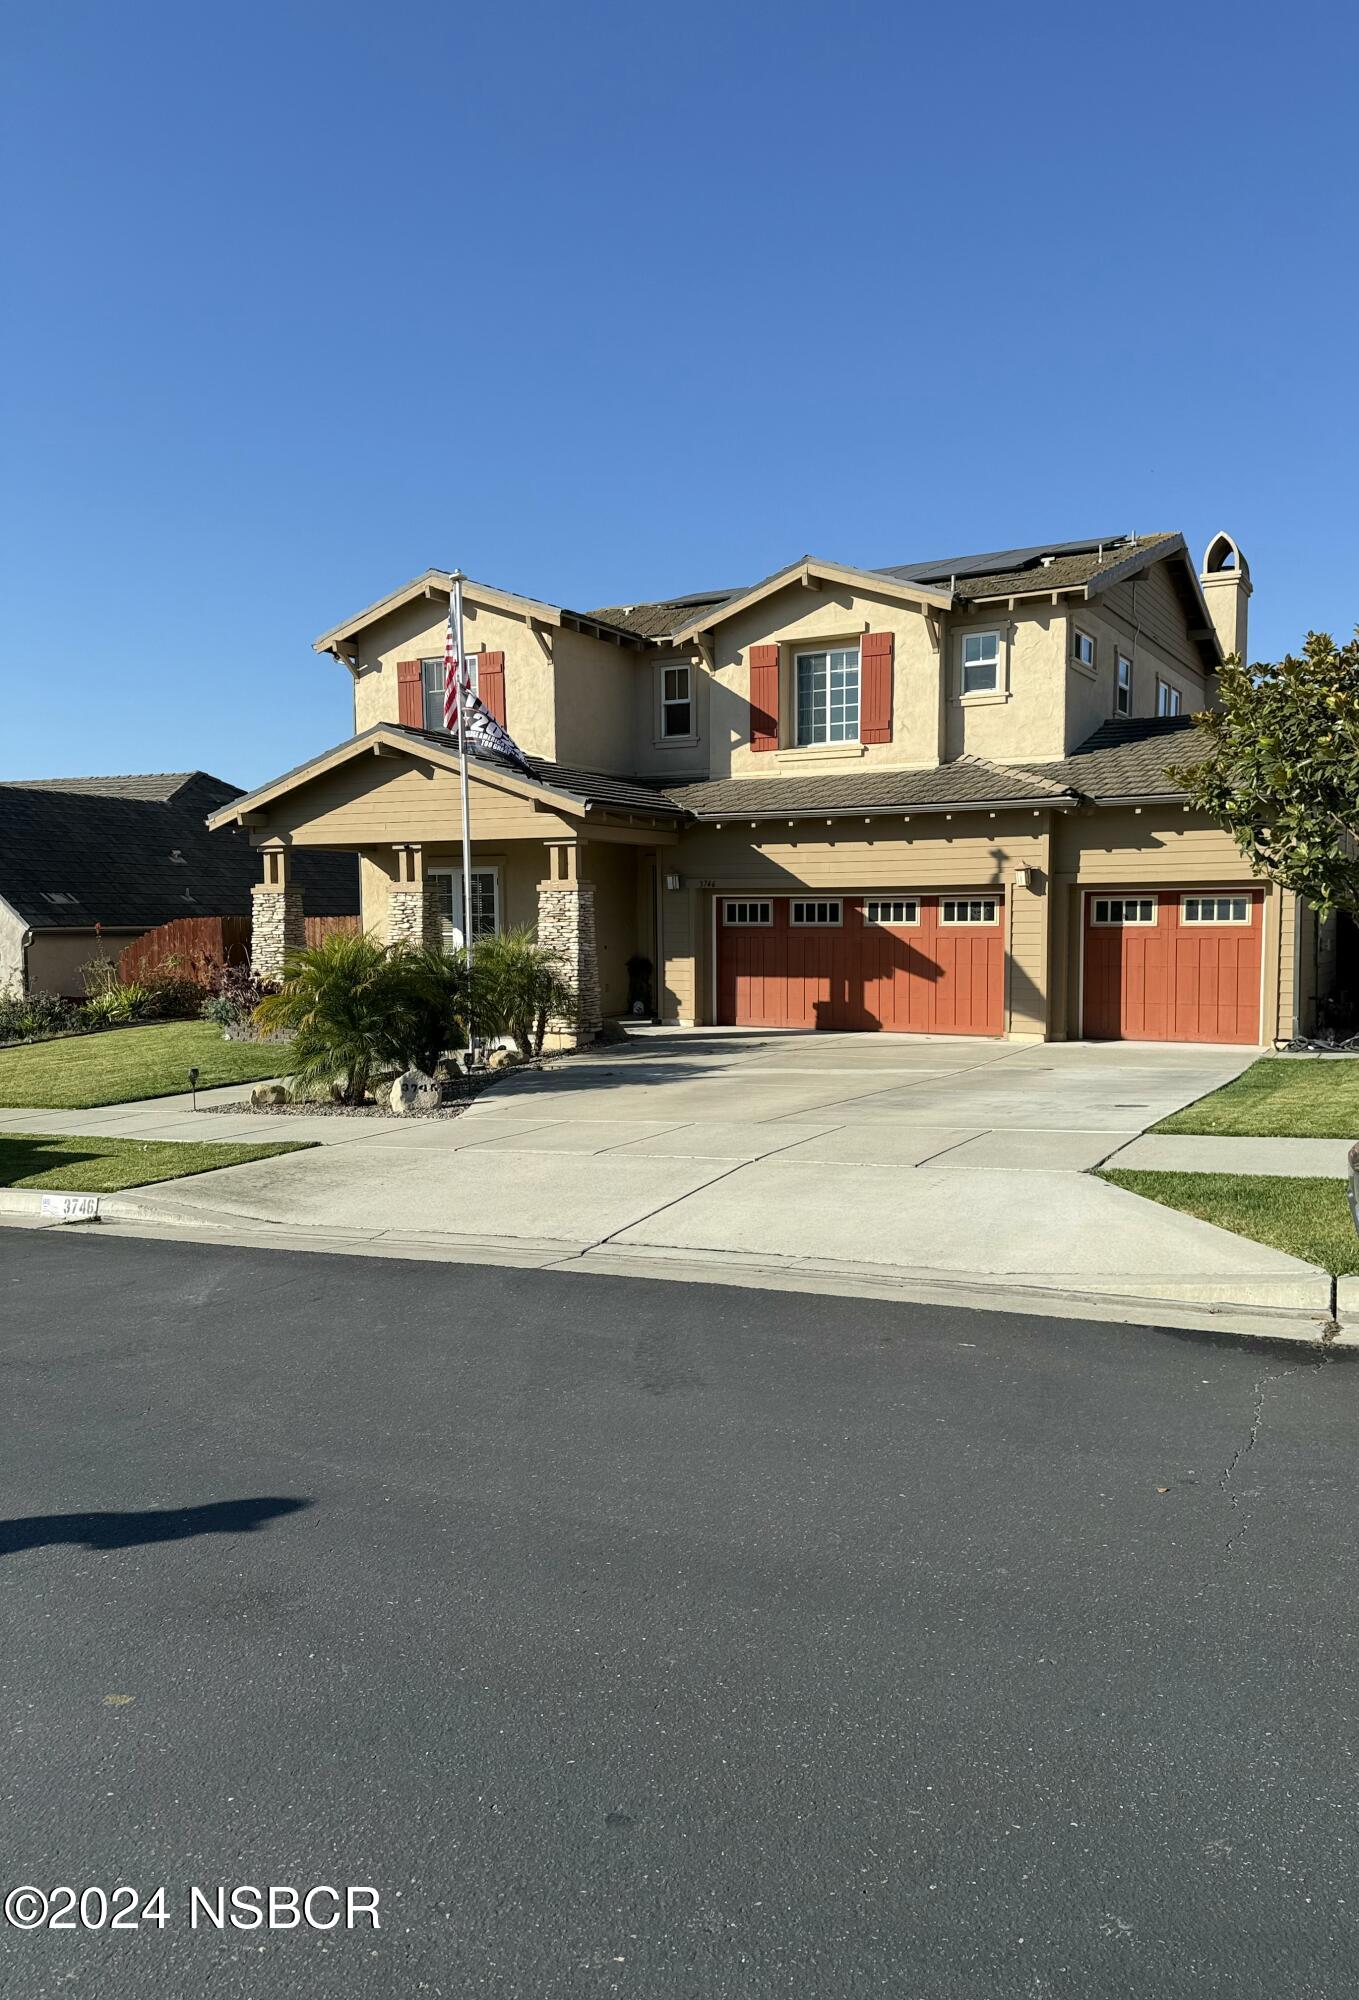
(809, 569)
(130, 853)
(1129, 759)
(563, 785)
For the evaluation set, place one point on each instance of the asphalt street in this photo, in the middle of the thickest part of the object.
(644, 1639)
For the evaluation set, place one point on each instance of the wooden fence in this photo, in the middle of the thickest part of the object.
(200, 947)
(320, 928)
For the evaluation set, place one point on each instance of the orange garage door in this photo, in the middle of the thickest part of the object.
(1173, 966)
(909, 963)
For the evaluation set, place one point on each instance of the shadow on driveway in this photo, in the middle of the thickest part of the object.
(153, 1524)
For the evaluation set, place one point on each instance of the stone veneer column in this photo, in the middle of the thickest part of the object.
(277, 926)
(411, 916)
(566, 925)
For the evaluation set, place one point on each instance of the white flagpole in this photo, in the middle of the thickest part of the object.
(456, 611)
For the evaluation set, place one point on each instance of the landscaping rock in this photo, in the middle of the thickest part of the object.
(265, 1095)
(503, 1058)
(412, 1092)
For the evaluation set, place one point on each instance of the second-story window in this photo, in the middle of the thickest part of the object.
(1123, 690)
(1167, 699)
(432, 687)
(981, 663)
(677, 701)
(1082, 649)
(827, 686)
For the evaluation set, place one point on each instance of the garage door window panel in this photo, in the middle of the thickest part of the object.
(1117, 911)
(894, 913)
(961, 910)
(748, 913)
(814, 915)
(1215, 910)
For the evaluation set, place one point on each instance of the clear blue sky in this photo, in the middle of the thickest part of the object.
(604, 302)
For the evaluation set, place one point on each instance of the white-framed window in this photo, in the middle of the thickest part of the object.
(1120, 911)
(747, 913)
(811, 916)
(893, 912)
(677, 701)
(827, 695)
(432, 688)
(1123, 686)
(969, 910)
(980, 663)
(1215, 909)
(446, 889)
(1082, 649)
(1167, 699)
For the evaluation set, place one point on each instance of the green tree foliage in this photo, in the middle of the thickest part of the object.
(1282, 770)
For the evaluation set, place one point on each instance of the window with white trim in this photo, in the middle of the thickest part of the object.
(809, 916)
(980, 662)
(895, 912)
(1082, 649)
(1167, 699)
(747, 913)
(677, 701)
(432, 688)
(827, 692)
(1123, 688)
(446, 893)
(1119, 911)
(1215, 910)
(968, 910)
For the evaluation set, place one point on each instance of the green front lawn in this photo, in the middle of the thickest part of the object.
(126, 1064)
(1279, 1097)
(1308, 1218)
(52, 1160)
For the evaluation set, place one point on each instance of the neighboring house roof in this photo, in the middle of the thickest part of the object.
(130, 853)
(967, 782)
(1129, 759)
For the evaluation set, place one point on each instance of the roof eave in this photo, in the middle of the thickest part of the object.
(436, 582)
(1059, 802)
(805, 571)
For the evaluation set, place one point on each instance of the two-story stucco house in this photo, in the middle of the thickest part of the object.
(927, 798)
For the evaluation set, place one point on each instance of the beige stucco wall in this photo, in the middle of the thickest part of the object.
(417, 631)
(57, 959)
(13, 930)
(613, 871)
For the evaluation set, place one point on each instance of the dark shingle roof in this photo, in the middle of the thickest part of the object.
(969, 781)
(658, 620)
(1002, 573)
(130, 853)
(1129, 759)
(594, 787)
(1012, 572)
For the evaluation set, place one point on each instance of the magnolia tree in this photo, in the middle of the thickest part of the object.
(1282, 769)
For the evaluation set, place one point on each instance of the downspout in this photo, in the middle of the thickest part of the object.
(24, 944)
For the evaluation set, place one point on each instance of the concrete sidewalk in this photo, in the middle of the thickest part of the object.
(928, 1167)
(1183, 1153)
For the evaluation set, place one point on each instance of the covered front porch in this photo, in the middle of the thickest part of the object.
(575, 856)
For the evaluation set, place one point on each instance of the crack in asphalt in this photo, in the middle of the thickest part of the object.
(1243, 1451)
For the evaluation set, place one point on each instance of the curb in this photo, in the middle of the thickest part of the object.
(1295, 1311)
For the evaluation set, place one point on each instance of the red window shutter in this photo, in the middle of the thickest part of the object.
(875, 687)
(491, 684)
(410, 695)
(764, 697)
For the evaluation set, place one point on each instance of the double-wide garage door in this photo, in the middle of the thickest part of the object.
(909, 963)
(1173, 966)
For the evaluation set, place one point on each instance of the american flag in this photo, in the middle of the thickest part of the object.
(483, 731)
(456, 679)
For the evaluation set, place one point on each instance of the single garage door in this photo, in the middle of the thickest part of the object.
(1173, 966)
(908, 963)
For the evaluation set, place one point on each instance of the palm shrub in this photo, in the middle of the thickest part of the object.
(350, 1009)
(517, 988)
(437, 996)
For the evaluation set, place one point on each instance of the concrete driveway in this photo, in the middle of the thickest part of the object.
(954, 1161)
